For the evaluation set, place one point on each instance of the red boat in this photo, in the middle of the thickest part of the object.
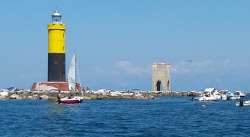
(70, 100)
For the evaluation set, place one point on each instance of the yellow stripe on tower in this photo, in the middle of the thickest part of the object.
(56, 38)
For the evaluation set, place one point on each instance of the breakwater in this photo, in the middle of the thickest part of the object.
(35, 95)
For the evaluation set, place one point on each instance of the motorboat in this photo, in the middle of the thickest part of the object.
(243, 103)
(240, 93)
(224, 94)
(209, 98)
(224, 97)
(210, 94)
(233, 96)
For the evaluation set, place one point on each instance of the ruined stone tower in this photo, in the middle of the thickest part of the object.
(161, 77)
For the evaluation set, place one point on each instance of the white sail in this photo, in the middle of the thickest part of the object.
(72, 74)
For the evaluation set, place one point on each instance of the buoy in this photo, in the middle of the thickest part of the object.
(203, 106)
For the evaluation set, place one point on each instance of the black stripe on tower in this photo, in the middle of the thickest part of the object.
(56, 67)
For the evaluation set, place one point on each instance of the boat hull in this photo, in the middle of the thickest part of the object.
(71, 101)
(234, 97)
(213, 98)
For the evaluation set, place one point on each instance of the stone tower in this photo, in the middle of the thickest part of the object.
(161, 77)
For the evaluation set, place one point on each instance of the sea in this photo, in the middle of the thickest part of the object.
(165, 116)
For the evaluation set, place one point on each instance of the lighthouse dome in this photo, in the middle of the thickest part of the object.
(56, 13)
(56, 17)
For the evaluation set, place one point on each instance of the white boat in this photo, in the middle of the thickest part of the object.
(240, 93)
(72, 85)
(233, 96)
(243, 103)
(210, 94)
(224, 97)
(224, 94)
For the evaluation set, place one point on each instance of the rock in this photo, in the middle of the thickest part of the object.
(15, 96)
(26, 93)
(44, 97)
(3, 97)
(86, 98)
(35, 96)
(29, 97)
(90, 96)
(4, 94)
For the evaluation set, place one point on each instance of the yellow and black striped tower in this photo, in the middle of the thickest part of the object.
(56, 48)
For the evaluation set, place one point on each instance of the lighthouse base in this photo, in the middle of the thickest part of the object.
(53, 86)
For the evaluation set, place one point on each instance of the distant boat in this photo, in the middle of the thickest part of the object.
(210, 94)
(224, 94)
(72, 85)
(240, 93)
(243, 103)
(233, 96)
(71, 100)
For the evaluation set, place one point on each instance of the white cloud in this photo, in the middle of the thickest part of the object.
(201, 64)
(126, 66)
(218, 80)
(208, 67)
(91, 71)
(120, 68)
(245, 65)
(202, 67)
(115, 71)
(179, 68)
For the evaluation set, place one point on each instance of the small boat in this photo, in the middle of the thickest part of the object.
(72, 86)
(70, 100)
(243, 103)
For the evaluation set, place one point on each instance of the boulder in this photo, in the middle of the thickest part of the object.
(29, 97)
(44, 97)
(4, 94)
(15, 96)
(35, 96)
(3, 97)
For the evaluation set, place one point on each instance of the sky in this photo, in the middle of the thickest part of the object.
(117, 41)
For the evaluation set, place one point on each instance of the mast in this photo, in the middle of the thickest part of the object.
(75, 71)
(79, 78)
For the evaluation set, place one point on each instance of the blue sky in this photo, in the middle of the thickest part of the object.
(117, 41)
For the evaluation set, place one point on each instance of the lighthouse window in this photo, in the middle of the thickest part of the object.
(56, 19)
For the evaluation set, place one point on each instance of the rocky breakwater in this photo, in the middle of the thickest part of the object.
(182, 93)
(4, 95)
(45, 95)
(94, 96)
(32, 95)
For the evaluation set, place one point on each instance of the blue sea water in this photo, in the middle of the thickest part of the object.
(163, 117)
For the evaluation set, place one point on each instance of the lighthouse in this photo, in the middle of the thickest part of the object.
(56, 58)
(56, 48)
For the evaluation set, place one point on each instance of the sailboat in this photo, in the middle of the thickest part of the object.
(72, 85)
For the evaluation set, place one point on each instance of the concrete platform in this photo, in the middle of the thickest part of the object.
(53, 86)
